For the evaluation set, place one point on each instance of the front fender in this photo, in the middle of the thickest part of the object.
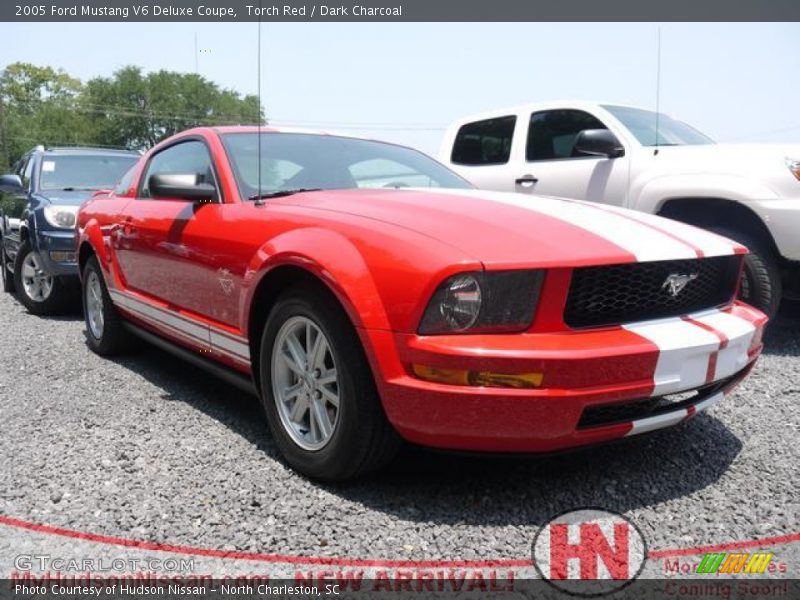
(333, 259)
(653, 194)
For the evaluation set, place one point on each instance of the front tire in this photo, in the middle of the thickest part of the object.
(105, 331)
(761, 284)
(318, 392)
(8, 274)
(41, 293)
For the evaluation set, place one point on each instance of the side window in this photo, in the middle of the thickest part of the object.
(484, 142)
(27, 173)
(186, 157)
(552, 133)
(125, 183)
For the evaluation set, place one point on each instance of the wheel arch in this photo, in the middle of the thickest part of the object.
(718, 212)
(340, 272)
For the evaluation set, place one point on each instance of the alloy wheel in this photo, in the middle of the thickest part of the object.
(94, 305)
(305, 383)
(36, 284)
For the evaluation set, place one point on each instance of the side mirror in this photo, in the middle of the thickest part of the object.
(11, 183)
(599, 142)
(188, 186)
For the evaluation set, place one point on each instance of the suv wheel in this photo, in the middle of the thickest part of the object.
(105, 332)
(8, 274)
(761, 284)
(41, 293)
(318, 392)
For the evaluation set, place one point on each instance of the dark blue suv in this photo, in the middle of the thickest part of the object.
(38, 203)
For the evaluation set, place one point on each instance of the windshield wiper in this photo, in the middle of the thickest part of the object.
(282, 193)
(72, 188)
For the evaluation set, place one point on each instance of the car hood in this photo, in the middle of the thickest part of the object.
(65, 198)
(514, 230)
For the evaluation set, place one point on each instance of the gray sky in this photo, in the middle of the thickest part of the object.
(405, 82)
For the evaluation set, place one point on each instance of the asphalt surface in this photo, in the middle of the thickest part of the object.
(150, 448)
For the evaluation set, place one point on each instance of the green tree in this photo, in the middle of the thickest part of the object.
(36, 108)
(136, 110)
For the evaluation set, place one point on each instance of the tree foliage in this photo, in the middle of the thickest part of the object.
(130, 109)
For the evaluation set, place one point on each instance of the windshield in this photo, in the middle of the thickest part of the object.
(293, 161)
(83, 172)
(642, 124)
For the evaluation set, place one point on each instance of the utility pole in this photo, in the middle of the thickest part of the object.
(196, 54)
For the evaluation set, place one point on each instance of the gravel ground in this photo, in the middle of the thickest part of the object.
(150, 448)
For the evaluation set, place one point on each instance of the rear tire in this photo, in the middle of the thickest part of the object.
(761, 284)
(105, 330)
(40, 293)
(356, 437)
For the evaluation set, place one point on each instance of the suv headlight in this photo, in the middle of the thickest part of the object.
(480, 302)
(794, 166)
(61, 216)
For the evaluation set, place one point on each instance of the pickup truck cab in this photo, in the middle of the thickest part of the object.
(636, 158)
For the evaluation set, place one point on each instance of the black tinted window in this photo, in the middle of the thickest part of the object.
(552, 133)
(185, 157)
(484, 142)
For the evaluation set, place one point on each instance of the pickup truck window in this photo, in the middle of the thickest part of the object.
(298, 160)
(484, 142)
(552, 133)
(642, 124)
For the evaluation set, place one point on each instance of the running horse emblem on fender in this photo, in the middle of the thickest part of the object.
(675, 283)
(225, 281)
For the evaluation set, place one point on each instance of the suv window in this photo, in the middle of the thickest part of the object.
(27, 173)
(552, 133)
(185, 157)
(484, 142)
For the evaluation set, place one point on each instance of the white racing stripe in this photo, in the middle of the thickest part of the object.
(710, 244)
(739, 333)
(685, 350)
(671, 418)
(646, 243)
(232, 346)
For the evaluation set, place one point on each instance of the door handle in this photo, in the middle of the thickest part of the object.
(526, 181)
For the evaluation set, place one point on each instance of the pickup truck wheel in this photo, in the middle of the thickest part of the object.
(8, 274)
(105, 332)
(761, 284)
(40, 292)
(318, 392)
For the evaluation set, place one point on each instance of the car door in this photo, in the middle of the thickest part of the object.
(553, 167)
(481, 153)
(15, 204)
(162, 242)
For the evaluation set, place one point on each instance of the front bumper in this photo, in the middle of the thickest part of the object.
(52, 244)
(709, 353)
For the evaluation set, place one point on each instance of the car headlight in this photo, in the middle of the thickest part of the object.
(61, 216)
(794, 166)
(493, 301)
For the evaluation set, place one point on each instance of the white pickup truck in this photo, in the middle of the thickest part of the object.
(650, 162)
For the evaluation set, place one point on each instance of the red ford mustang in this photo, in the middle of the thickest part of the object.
(367, 295)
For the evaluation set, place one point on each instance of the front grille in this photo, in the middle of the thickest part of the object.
(615, 294)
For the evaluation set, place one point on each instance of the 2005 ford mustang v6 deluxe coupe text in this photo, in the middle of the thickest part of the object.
(367, 294)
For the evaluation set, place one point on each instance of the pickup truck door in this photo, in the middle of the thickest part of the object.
(162, 243)
(547, 163)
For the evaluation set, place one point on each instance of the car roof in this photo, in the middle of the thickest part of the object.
(86, 150)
